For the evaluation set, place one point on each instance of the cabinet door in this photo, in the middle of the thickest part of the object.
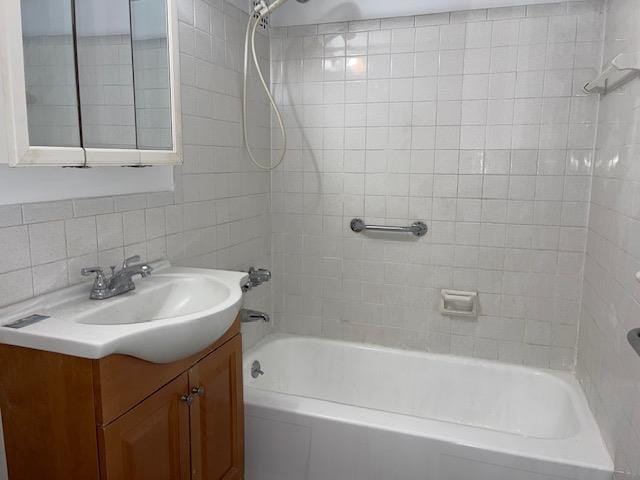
(217, 415)
(150, 442)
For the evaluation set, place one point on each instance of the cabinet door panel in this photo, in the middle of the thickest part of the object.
(217, 415)
(150, 442)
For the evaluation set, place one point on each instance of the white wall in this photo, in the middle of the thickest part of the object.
(325, 11)
(42, 184)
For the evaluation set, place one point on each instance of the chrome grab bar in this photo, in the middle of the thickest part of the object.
(419, 229)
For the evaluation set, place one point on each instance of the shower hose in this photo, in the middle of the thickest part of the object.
(250, 39)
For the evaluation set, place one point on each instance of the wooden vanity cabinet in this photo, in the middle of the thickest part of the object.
(121, 418)
(151, 440)
(218, 416)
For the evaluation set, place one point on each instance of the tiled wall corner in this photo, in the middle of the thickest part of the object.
(608, 368)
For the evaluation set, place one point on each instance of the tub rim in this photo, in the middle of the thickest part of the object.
(585, 449)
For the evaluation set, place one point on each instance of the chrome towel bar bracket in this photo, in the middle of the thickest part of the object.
(419, 229)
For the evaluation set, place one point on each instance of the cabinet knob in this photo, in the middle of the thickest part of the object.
(198, 391)
(188, 399)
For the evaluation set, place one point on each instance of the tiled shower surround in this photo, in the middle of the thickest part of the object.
(607, 366)
(474, 122)
(218, 215)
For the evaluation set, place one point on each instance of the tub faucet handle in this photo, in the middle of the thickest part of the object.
(257, 276)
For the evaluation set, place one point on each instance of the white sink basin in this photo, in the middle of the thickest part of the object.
(169, 316)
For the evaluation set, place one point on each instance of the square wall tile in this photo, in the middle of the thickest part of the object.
(47, 242)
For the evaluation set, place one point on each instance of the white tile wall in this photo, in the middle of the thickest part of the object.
(607, 366)
(474, 122)
(217, 217)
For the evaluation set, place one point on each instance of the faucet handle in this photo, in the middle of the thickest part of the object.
(130, 260)
(87, 271)
(100, 282)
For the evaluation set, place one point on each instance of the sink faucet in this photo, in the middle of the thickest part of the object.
(119, 282)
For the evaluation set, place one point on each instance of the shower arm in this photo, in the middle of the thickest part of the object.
(263, 9)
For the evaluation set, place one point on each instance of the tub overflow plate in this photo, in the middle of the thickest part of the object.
(256, 371)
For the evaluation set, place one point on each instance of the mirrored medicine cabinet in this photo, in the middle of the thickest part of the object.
(91, 82)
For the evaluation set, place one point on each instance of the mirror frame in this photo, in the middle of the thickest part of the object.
(13, 102)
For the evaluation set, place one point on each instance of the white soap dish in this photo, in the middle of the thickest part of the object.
(456, 303)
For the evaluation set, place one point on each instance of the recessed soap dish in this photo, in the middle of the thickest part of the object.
(456, 303)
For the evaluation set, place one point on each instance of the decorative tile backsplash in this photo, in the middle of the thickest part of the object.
(474, 122)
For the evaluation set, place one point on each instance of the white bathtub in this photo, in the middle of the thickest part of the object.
(331, 410)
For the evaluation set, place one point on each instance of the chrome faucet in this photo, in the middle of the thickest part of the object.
(257, 276)
(119, 282)
(249, 316)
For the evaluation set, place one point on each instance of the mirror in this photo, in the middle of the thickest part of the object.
(103, 82)
(49, 68)
(151, 74)
(105, 73)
